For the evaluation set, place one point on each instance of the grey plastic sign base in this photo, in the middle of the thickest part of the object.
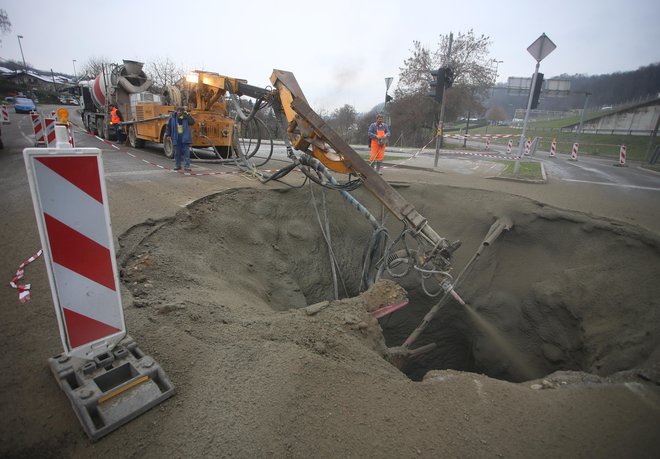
(113, 388)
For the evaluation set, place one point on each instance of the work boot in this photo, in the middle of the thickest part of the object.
(378, 164)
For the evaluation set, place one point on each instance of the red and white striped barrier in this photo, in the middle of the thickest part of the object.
(574, 151)
(622, 155)
(488, 143)
(553, 148)
(479, 136)
(528, 145)
(509, 146)
(23, 289)
(38, 129)
(70, 201)
(49, 124)
(70, 133)
(4, 112)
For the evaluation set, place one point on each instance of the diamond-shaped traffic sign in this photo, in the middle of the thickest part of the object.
(541, 48)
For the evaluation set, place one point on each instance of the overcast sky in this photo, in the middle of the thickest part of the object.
(339, 50)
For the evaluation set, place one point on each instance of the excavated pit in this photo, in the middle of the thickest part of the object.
(559, 291)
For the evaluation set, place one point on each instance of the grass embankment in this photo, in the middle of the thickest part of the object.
(604, 145)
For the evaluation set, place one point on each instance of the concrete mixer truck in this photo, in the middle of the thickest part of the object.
(146, 113)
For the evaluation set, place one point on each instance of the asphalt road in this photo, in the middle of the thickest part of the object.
(142, 185)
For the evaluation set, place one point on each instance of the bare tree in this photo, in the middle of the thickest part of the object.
(496, 113)
(343, 120)
(5, 24)
(415, 75)
(94, 66)
(164, 73)
(469, 61)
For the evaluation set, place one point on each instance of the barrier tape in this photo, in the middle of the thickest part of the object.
(94, 135)
(23, 289)
(480, 136)
(413, 156)
(160, 166)
(484, 155)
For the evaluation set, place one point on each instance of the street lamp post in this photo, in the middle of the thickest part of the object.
(497, 66)
(75, 75)
(584, 109)
(24, 66)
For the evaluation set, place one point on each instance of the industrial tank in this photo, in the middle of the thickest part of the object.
(118, 82)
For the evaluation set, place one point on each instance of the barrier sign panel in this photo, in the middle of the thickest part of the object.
(71, 206)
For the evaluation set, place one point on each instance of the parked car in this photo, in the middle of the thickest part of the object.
(68, 100)
(24, 105)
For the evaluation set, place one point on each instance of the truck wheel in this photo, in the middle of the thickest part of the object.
(168, 147)
(133, 140)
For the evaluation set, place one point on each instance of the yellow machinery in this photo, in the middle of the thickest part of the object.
(206, 103)
(311, 135)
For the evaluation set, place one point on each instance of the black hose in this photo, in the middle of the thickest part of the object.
(270, 138)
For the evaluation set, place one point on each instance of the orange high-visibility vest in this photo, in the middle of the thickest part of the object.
(115, 118)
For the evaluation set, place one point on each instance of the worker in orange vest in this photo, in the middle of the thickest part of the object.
(115, 119)
(378, 135)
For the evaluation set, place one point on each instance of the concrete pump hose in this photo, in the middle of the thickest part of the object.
(503, 223)
(237, 105)
(318, 166)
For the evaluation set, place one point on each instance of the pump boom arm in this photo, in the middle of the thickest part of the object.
(310, 134)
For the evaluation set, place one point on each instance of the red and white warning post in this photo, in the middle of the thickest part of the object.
(107, 378)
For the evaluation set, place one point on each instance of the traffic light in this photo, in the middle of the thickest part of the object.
(537, 90)
(448, 77)
(437, 84)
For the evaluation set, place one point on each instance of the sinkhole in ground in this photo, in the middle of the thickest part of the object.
(559, 291)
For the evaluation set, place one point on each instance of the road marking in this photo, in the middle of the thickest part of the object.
(145, 172)
(29, 140)
(614, 184)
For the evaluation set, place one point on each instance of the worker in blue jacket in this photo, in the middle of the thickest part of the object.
(178, 128)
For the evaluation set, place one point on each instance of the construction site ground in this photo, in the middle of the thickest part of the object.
(217, 273)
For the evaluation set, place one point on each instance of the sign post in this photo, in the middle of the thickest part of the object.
(539, 50)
